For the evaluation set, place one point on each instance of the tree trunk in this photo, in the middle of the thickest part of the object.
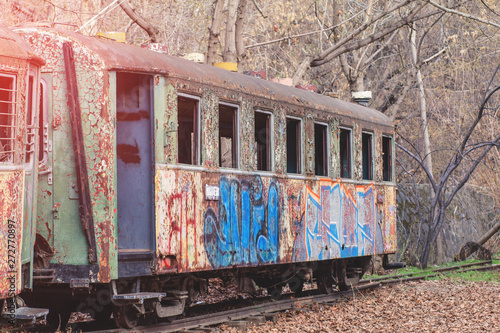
(152, 31)
(229, 54)
(427, 143)
(469, 250)
(240, 46)
(214, 31)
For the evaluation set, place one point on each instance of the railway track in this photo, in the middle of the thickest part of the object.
(263, 308)
(264, 311)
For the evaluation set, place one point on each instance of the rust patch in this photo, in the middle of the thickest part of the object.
(132, 116)
(128, 153)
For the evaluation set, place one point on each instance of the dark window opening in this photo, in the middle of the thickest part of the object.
(345, 153)
(367, 156)
(7, 117)
(263, 140)
(187, 118)
(320, 150)
(30, 121)
(43, 126)
(293, 145)
(228, 136)
(387, 158)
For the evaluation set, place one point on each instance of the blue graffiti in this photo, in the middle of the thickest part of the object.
(337, 226)
(245, 230)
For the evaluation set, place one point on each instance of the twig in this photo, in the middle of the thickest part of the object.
(456, 12)
(259, 9)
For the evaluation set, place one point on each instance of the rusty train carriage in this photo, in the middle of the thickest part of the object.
(19, 78)
(192, 171)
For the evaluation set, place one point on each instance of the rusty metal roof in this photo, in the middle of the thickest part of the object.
(120, 56)
(13, 46)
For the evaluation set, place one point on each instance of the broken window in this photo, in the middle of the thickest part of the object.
(30, 121)
(263, 140)
(188, 130)
(43, 126)
(321, 149)
(7, 117)
(228, 136)
(293, 145)
(387, 158)
(367, 147)
(345, 153)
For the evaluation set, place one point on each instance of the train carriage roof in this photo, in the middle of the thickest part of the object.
(119, 56)
(13, 46)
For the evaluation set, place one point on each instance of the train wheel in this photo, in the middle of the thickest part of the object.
(325, 284)
(296, 285)
(275, 291)
(125, 316)
(58, 317)
(190, 285)
(103, 315)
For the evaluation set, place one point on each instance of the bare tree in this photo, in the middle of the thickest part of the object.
(468, 151)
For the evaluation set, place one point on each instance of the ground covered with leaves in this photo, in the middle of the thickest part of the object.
(428, 306)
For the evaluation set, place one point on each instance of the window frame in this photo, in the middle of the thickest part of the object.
(270, 143)
(390, 160)
(236, 131)
(326, 156)
(198, 127)
(300, 141)
(350, 131)
(371, 159)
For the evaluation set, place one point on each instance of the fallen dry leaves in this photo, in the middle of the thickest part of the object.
(428, 306)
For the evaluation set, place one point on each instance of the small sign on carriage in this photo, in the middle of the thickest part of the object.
(211, 192)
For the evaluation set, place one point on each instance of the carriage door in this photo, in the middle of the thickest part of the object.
(134, 148)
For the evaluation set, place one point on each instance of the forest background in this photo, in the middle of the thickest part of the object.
(430, 65)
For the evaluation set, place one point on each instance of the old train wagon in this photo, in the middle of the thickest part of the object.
(19, 79)
(160, 172)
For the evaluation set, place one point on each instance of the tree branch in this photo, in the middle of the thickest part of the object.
(456, 12)
(340, 48)
(259, 9)
(152, 31)
(364, 26)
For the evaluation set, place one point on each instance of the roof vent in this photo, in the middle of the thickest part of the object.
(230, 66)
(157, 47)
(196, 57)
(114, 35)
(362, 97)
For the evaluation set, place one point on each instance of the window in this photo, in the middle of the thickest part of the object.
(7, 117)
(367, 146)
(188, 119)
(228, 136)
(345, 153)
(43, 126)
(387, 158)
(321, 149)
(293, 145)
(263, 140)
(30, 121)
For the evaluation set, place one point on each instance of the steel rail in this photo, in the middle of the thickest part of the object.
(437, 270)
(243, 313)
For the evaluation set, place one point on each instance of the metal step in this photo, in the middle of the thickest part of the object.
(26, 313)
(137, 297)
(43, 271)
